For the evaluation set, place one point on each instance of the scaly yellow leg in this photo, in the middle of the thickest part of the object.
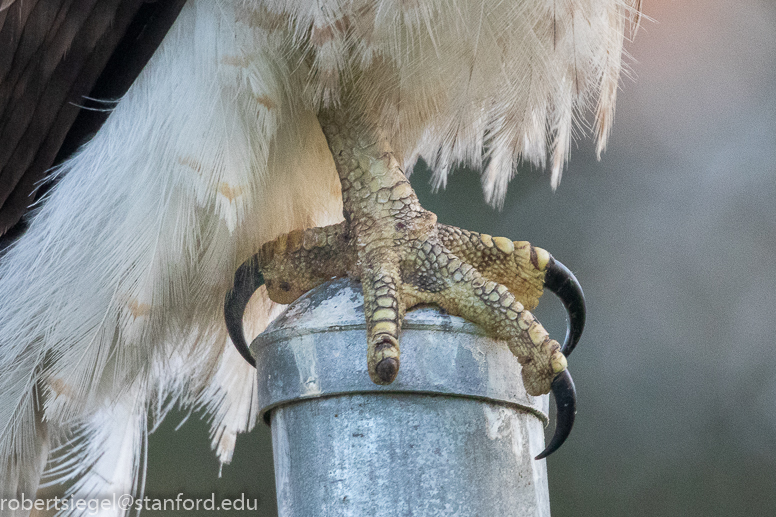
(403, 258)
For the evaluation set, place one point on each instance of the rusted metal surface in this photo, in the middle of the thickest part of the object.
(455, 434)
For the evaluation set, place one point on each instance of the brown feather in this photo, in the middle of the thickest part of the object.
(57, 51)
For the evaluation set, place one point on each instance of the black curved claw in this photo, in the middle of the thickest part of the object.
(247, 279)
(566, 400)
(564, 284)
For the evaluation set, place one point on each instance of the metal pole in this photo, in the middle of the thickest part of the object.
(454, 435)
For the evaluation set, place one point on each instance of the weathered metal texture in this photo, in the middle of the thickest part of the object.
(454, 435)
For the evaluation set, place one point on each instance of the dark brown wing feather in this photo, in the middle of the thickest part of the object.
(54, 54)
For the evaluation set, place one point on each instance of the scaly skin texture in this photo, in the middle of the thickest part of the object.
(404, 258)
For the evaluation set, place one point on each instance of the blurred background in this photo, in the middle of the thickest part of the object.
(673, 237)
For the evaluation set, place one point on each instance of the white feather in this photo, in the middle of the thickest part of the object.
(459, 81)
(103, 457)
(111, 302)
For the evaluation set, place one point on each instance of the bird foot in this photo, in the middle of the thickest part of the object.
(404, 258)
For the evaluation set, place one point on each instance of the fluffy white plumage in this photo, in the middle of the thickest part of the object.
(111, 302)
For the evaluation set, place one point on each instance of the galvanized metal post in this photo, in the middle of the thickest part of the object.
(454, 435)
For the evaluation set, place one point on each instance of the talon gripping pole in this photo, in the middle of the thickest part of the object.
(455, 433)
(562, 282)
(558, 279)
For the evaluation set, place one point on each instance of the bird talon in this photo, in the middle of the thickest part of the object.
(404, 258)
(566, 401)
(562, 282)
